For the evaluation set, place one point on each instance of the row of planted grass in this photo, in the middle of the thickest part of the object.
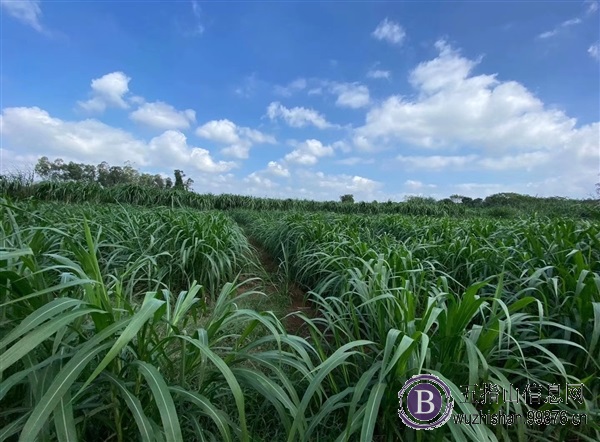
(498, 206)
(97, 349)
(471, 300)
(95, 345)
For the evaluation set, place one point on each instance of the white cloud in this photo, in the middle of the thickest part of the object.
(171, 148)
(256, 136)
(163, 116)
(527, 161)
(378, 73)
(352, 95)
(308, 153)
(302, 158)
(353, 161)
(557, 29)
(221, 131)
(592, 6)
(31, 131)
(296, 85)
(454, 109)
(389, 31)
(548, 34)
(436, 162)
(197, 11)
(240, 139)
(297, 116)
(342, 146)
(594, 51)
(571, 22)
(323, 184)
(481, 123)
(108, 90)
(249, 87)
(415, 185)
(256, 179)
(26, 11)
(277, 169)
(239, 150)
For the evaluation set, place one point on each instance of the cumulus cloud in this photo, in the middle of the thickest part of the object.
(33, 132)
(108, 90)
(239, 150)
(389, 31)
(362, 187)
(277, 169)
(256, 179)
(256, 136)
(415, 185)
(482, 123)
(221, 131)
(172, 148)
(455, 108)
(308, 153)
(28, 12)
(297, 116)
(352, 95)
(240, 139)
(163, 116)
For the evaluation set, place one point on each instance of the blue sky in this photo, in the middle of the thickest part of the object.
(311, 100)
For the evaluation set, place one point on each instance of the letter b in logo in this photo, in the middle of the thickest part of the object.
(422, 404)
(424, 401)
(428, 401)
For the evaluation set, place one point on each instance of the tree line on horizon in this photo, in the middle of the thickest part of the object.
(108, 175)
(62, 181)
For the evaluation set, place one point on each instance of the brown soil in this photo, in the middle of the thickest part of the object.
(297, 296)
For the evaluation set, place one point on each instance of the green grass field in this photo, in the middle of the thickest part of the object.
(163, 323)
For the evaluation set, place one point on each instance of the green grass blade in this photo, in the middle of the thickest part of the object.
(64, 422)
(61, 384)
(164, 401)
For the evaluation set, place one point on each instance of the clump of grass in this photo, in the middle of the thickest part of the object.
(126, 323)
(89, 353)
(468, 300)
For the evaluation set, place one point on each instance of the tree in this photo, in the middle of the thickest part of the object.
(103, 173)
(456, 199)
(168, 183)
(50, 171)
(73, 172)
(179, 179)
(348, 198)
(159, 182)
(89, 172)
(467, 201)
(188, 184)
(43, 168)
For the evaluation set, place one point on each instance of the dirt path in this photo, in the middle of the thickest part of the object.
(283, 297)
